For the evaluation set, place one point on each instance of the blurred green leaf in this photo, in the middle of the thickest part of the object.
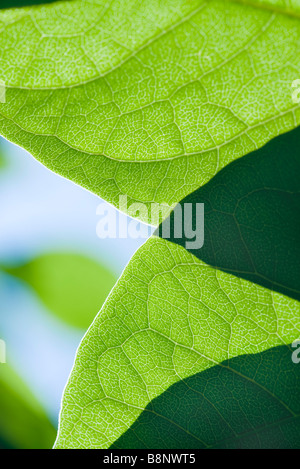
(72, 286)
(2, 159)
(23, 422)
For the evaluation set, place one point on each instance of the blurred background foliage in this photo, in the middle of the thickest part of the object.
(23, 422)
(72, 286)
(55, 274)
(2, 160)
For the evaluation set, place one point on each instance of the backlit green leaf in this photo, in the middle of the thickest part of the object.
(169, 317)
(148, 98)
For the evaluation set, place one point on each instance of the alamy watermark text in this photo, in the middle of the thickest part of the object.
(187, 221)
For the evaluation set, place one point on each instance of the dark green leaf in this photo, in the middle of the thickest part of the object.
(252, 401)
(252, 217)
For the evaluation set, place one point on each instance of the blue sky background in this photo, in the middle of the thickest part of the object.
(42, 212)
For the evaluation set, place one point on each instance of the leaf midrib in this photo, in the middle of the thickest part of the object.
(184, 154)
(176, 157)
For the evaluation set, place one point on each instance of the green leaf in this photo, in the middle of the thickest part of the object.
(252, 217)
(150, 99)
(2, 160)
(23, 422)
(250, 402)
(23, 3)
(72, 286)
(169, 317)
